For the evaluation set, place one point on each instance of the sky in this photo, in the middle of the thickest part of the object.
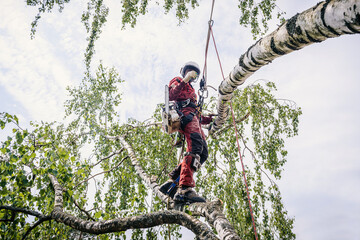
(320, 184)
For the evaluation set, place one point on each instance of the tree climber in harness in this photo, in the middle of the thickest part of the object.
(182, 92)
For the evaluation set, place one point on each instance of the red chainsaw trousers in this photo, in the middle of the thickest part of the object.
(196, 144)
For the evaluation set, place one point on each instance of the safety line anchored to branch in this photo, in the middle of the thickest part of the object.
(210, 33)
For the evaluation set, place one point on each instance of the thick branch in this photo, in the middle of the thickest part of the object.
(328, 19)
(23, 210)
(118, 225)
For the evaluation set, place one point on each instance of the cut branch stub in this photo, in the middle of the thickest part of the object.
(328, 19)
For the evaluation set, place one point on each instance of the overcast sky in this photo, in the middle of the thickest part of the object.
(320, 184)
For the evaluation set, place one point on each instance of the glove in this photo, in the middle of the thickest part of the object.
(206, 119)
(190, 75)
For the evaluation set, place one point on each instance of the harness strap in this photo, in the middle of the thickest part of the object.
(186, 103)
(184, 120)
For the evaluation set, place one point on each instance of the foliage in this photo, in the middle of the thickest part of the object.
(95, 16)
(262, 138)
(93, 19)
(79, 150)
(257, 15)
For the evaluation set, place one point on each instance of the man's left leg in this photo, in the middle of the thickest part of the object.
(191, 163)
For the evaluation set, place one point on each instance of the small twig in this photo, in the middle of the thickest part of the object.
(102, 172)
(147, 125)
(41, 220)
(81, 209)
(107, 157)
(227, 127)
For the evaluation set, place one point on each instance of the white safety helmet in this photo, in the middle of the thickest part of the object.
(190, 66)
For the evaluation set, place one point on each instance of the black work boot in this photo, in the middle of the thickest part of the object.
(187, 195)
(169, 188)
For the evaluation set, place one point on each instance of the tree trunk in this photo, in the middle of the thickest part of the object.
(328, 19)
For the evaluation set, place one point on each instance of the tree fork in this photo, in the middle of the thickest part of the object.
(123, 224)
(328, 19)
(212, 211)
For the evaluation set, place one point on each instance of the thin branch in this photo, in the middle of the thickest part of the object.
(102, 172)
(158, 124)
(81, 209)
(41, 220)
(107, 157)
(227, 127)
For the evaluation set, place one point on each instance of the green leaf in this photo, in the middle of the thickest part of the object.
(97, 214)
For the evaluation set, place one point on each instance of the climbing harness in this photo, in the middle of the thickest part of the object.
(172, 118)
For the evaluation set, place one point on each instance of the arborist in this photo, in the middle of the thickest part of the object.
(182, 92)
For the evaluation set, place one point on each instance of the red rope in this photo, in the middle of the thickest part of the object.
(237, 141)
(207, 41)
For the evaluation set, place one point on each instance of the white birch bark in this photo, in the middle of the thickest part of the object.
(328, 19)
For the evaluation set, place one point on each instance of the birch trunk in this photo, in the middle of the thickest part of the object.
(328, 19)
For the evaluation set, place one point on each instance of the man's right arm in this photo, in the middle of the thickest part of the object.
(176, 85)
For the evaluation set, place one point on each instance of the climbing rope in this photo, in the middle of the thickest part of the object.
(210, 32)
(203, 92)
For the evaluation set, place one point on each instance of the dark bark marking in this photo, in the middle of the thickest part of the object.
(316, 6)
(357, 19)
(323, 9)
(254, 61)
(275, 50)
(291, 26)
(252, 64)
(294, 43)
(291, 46)
(351, 28)
(321, 32)
(233, 82)
(303, 41)
(224, 92)
(311, 38)
(242, 64)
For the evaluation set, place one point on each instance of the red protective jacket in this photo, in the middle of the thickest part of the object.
(180, 91)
